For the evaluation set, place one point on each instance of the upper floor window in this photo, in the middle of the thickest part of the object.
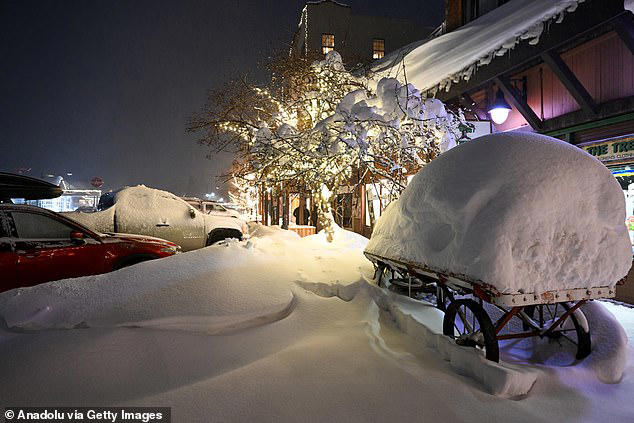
(327, 43)
(378, 48)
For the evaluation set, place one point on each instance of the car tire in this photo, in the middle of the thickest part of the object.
(132, 260)
(221, 234)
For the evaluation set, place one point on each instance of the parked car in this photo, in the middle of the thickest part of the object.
(147, 211)
(211, 207)
(38, 245)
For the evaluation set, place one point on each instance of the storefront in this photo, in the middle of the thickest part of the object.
(618, 155)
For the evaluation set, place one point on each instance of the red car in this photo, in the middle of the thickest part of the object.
(38, 245)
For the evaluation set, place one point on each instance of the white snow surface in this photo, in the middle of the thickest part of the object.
(282, 328)
(456, 55)
(522, 212)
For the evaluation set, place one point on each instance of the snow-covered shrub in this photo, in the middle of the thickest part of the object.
(326, 128)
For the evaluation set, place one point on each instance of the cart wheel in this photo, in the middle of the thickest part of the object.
(443, 297)
(576, 334)
(467, 322)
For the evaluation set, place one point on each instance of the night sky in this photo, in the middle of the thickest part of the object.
(104, 88)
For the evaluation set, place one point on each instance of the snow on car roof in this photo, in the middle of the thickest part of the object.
(523, 212)
(439, 62)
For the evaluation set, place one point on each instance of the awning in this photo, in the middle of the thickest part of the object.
(447, 59)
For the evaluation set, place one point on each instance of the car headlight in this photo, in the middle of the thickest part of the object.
(172, 250)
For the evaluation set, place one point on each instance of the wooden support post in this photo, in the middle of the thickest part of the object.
(363, 205)
(269, 208)
(285, 207)
(518, 102)
(570, 81)
(278, 208)
(261, 204)
(302, 206)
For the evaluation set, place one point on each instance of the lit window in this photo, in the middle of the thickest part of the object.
(378, 48)
(327, 43)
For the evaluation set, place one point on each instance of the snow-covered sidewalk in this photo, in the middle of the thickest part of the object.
(280, 328)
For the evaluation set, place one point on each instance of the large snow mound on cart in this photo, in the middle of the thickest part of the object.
(519, 211)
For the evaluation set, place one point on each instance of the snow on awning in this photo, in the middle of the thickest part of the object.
(436, 64)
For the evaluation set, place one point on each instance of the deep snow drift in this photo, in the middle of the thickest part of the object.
(520, 211)
(282, 328)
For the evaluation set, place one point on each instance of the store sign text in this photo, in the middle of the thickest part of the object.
(622, 149)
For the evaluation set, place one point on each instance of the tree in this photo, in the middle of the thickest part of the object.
(317, 124)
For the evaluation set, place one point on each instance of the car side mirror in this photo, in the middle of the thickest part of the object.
(192, 213)
(77, 237)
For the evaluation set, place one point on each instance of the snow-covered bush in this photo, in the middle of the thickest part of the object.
(326, 128)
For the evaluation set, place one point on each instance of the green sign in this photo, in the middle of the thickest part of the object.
(616, 149)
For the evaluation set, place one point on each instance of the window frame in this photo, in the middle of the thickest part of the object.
(22, 238)
(325, 47)
(376, 43)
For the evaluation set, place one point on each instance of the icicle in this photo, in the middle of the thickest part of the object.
(560, 18)
(509, 44)
(469, 72)
(485, 60)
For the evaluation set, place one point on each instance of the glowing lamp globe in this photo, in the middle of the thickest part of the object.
(500, 109)
(499, 115)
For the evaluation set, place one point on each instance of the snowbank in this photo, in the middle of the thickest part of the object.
(454, 56)
(520, 211)
(218, 287)
(257, 230)
(609, 344)
(286, 325)
(422, 322)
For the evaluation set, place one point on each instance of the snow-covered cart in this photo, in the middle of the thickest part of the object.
(552, 314)
(513, 233)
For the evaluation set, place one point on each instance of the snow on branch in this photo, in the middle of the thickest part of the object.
(318, 126)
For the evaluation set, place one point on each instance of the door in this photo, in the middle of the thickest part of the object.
(45, 251)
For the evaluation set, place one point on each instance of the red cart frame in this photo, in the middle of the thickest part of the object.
(551, 314)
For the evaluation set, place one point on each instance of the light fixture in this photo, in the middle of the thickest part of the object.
(500, 109)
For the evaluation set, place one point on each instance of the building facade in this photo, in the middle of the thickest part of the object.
(329, 25)
(574, 82)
